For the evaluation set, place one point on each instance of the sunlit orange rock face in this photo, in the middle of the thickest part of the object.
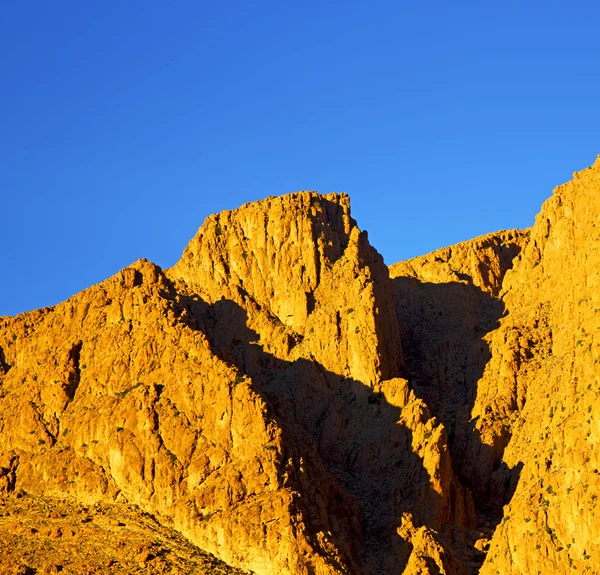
(289, 404)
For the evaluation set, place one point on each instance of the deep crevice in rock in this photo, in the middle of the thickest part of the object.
(74, 371)
(4, 366)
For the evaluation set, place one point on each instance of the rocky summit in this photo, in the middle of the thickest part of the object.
(280, 402)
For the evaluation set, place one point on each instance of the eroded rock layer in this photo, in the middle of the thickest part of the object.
(541, 390)
(500, 341)
(291, 406)
(250, 396)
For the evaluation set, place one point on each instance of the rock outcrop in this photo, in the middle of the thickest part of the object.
(251, 397)
(289, 405)
(449, 304)
(541, 390)
(500, 341)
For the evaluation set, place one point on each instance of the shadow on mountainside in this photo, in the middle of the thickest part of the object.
(371, 470)
(443, 328)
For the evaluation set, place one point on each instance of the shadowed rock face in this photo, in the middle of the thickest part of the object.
(448, 303)
(280, 401)
(300, 263)
(251, 396)
(499, 336)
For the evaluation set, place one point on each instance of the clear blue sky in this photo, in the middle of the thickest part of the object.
(124, 124)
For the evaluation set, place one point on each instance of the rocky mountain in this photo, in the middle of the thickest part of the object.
(285, 402)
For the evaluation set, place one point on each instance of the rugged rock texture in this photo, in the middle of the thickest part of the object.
(281, 402)
(504, 353)
(545, 400)
(53, 536)
(448, 302)
(250, 396)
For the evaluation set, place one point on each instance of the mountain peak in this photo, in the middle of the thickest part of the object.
(281, 402)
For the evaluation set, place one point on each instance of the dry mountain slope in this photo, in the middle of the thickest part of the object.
(280, 401)
(545, 365)
(249, 397)
(505, 352)
(51, 536)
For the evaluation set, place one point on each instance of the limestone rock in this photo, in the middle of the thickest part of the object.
(284, 402)
(250, 397)
(447, 303)
(506, 359)
(548, 358)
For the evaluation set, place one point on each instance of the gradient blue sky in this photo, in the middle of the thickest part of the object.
(124, 124)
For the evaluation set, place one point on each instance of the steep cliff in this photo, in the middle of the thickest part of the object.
(541, 390)
(291, 406)
(448, 304)
(250, 397)
(500, 337)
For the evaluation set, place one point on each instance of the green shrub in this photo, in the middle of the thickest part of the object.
(124, 393)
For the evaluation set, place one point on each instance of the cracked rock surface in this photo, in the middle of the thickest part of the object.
(282, 402)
